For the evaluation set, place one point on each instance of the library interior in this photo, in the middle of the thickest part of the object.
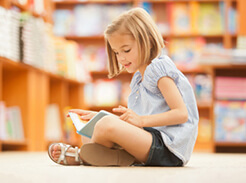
(53, 58)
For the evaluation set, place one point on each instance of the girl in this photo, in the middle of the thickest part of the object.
(159, 127)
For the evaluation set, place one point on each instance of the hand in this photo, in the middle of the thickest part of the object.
(84, 114)
(129, 116)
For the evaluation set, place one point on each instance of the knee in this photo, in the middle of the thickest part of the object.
(104, 126)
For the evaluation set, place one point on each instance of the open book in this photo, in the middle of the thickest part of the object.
(86, 128)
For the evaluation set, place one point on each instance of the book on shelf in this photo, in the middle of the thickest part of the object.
(22, 2)
(37, 6)
(194, 16)
(53, 129)
(230, 121)
(103, 93)
(63, 22)
(94, 57)
(184, 52)
(11, 123)
(180, 18)
(68, 62)
(241, 43)
(72, 22)
(233, 88)
(210, 18)
(232, 20)
(68, 128)
(202, 86)
(9, 34)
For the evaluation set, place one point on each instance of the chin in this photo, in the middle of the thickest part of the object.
(130, 71)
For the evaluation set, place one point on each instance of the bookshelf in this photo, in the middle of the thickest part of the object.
(37, 88)
(234, 142)
(32, 89)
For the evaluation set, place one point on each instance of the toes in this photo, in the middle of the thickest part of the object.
(56, 147)
(56, 153)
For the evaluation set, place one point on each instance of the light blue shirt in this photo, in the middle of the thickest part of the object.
(146, 99)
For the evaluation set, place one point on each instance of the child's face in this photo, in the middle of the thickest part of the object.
(126, 50)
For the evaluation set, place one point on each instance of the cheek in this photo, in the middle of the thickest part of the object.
(135, 58)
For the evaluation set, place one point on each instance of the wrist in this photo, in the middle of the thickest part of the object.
(143, 119)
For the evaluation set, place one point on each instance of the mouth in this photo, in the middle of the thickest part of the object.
(127, 65)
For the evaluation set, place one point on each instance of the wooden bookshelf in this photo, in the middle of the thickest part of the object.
(32, 90)
(37, 88)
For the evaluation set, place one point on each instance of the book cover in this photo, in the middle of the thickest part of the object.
(194, 14)
(230, 88)
(180, 19)
(230, 121)
(14, 121)
(86, 128)
(184, 52)
(210, 19)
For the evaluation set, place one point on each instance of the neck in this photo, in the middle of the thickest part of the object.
(142, 69)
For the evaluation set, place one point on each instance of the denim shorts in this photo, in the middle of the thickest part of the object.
(159, 154)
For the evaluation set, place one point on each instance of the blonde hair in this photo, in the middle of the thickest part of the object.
(139, 24)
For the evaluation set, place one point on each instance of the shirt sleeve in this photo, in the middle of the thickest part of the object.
(160, 67)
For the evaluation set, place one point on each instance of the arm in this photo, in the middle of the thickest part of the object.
(178, 113)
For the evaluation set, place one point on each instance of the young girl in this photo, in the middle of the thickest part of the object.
(159, 127)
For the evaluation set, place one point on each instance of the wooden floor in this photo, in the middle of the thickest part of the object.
(28, 167)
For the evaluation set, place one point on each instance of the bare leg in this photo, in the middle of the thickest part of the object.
(85, 140)
(134, 140)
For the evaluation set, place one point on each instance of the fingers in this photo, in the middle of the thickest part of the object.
(87, 116)
(80, 112)
(120, 109)
(124, 116)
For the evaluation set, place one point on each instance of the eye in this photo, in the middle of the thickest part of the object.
(116, 53)
(127, 51)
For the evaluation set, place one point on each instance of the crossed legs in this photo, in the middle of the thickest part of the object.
(111, 130)
(136, 141)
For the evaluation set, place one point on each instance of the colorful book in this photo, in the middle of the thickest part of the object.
(180, 18)
(230, 121)
(210, 20)
(230, 88)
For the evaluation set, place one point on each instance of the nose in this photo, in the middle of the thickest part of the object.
(121, 58)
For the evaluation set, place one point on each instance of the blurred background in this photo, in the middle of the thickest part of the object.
(52, 59)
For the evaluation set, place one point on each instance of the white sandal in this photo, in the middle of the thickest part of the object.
(62, 158)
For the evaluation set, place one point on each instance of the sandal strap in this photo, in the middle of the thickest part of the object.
(64, 153)
(76, 154)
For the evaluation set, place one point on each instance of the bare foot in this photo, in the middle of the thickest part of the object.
(56, 151)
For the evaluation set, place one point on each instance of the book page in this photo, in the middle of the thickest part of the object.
(77, 121)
